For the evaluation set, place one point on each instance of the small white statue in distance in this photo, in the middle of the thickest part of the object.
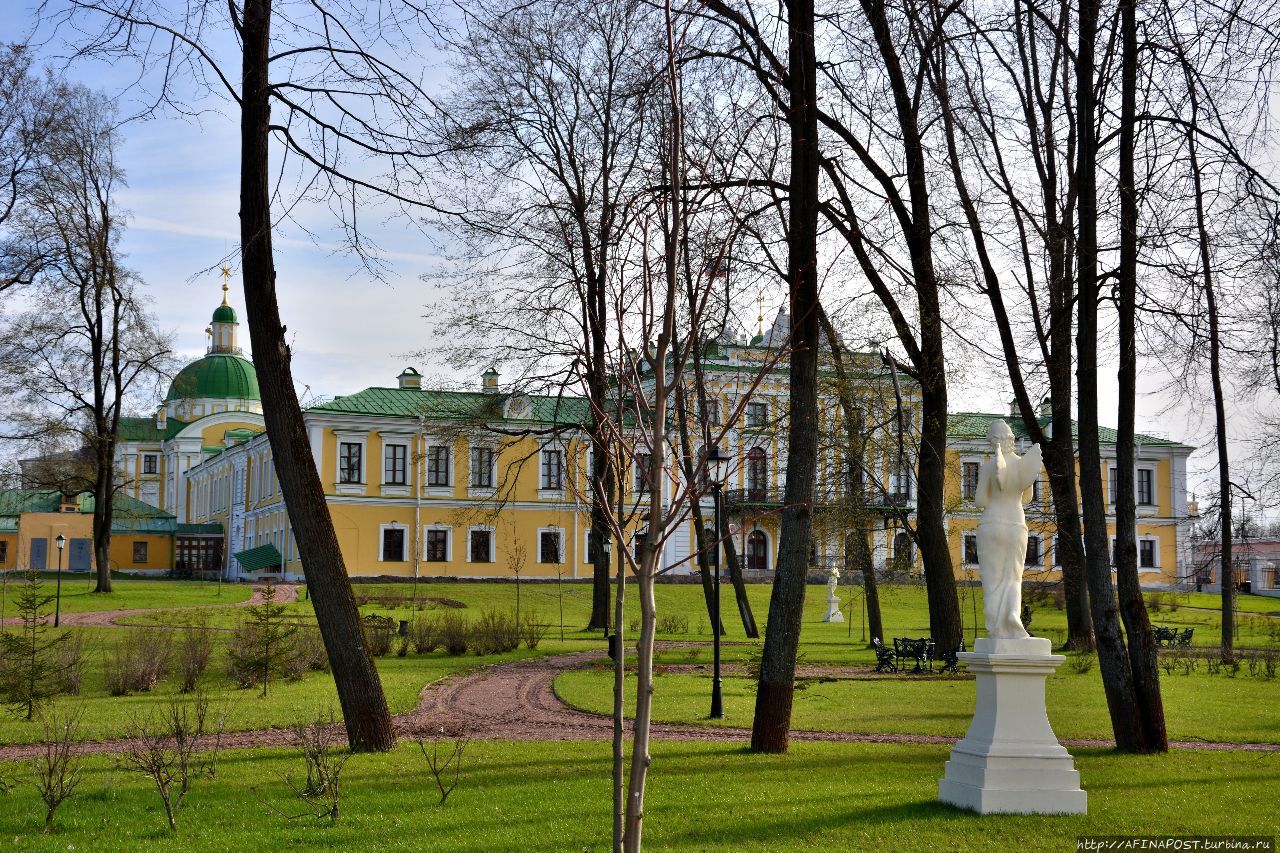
(1003, 484)
(833, 600)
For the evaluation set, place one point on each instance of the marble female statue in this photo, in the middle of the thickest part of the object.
(1003, 486)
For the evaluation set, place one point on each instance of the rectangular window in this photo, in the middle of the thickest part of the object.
(482, 467)
(349, 461)
(481, 546)
(393, 544)
(971, 548)
(757, 415)
(1033, 550)
(4, 553)
(437, 546)
(1112, 486)
(552, 470)
(437, 465)
(643, 483)
(150, 464)
(549, 546)
(1146, 487)
(1147, 554)
(139, 552)
(1035, 491)
(969, 481)
(395, 465)
(713, 412)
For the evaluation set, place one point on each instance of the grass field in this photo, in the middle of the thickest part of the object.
(78, 595)
(1197, 706)
(701, 797)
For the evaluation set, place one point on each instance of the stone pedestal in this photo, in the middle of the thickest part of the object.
(1010, 761)
(833, 610)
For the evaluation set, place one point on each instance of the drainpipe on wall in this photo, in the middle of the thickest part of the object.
(417, 508)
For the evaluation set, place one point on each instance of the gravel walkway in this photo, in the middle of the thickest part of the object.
(517, 701)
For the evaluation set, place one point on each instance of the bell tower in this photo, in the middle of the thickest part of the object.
(223, 330)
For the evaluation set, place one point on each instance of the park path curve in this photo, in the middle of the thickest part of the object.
(517, 701)
(285, 593)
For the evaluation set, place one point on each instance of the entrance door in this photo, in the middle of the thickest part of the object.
(39, 555)
(79, 558)
(757, 552)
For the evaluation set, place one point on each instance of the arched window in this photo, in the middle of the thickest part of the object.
(757, 474)
(757, 551)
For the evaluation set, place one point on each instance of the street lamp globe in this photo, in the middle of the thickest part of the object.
(61, 541)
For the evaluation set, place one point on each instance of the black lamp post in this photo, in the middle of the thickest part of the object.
(717, 470)
(61, 542)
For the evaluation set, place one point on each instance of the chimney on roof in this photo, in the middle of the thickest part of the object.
(489, 381)
(1013, 408)
(1046, 407)
(410, 379)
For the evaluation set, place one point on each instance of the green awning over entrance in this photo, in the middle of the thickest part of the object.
(257, 559)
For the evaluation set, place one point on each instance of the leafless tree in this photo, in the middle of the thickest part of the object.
(345, 81)
(85, 347)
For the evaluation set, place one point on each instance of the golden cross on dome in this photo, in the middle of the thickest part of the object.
(760, 313)
(226, 277)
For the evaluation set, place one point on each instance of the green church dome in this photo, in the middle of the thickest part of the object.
(219, 375)
(224, 314)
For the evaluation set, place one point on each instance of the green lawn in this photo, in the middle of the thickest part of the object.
(78, 597)
(1197, 706)
(703, 797)
(106, 716)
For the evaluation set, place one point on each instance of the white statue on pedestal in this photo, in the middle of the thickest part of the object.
(1009, 761)
(833, 600)
(1003, 483)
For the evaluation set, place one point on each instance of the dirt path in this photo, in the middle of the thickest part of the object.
(285, 593)
(517, 701)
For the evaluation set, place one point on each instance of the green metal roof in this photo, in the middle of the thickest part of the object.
(454, 405)
(974, 425)
(262, 557)
(219, 375)
(224, 314)
(212, 528)
(131, 515)
(144, 429)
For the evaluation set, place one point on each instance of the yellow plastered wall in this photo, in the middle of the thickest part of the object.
(159, 552)
(9, 545)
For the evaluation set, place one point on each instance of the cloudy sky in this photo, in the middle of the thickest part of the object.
(347, 331)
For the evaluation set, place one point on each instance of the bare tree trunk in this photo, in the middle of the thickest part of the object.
(1141, 644)
(771, 726)
(1117, 681)
(619, 697)
(364, 707)
(735, 577)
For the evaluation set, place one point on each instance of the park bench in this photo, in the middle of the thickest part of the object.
(1164, 636)
(1184, 639)
(950, 658)
(919, 650)
(886, 659)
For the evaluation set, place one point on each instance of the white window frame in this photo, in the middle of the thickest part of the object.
(543, 489)
(448, 542)
(1155, 546)
(427, 444)
(404, 547)
(397, 489)
(493, 469)
(1155, 493)
(971, 534)
(493, 543)
(969, 460)
(341, 488)
(1039, 550)
(559, 531)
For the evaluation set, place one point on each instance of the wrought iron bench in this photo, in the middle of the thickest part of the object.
(886, 658)
(917, 650)
(950, 661)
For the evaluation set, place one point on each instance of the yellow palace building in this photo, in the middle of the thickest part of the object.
(486, 483)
